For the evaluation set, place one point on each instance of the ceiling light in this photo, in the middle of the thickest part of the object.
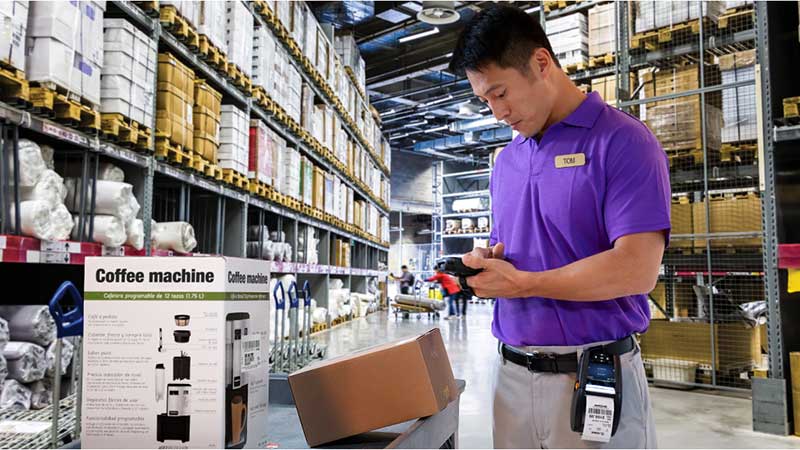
(386, 113)
(438, 12)
(438, 100)
(484, 110)
(413, 37)
(398, 136)
(532, 9)
(434, 130)
(448, 55)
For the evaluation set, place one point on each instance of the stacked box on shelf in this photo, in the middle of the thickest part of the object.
(602, 33)
(297, 27)
(211, 22)
(731, 213)
(307, 181)
(310, 37)
(649, 14)
(347, 49)
(738, 104)
(234, 138)
(127, 81)
(307, 109)
(188, 9)
(343, 196)
(607, 87)
(283, 10)
(277, 145)
(263, 59)
(14, 16)
(336, 196)
(291, 178)
(239, 35)
(569, 38)
(731, 4)
(260, 162)
(350, 203)
(64, 45)
(175, 101)
(318, 189)
(206, 117)
(328, 192)
(677, 122)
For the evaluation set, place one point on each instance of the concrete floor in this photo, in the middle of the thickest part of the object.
(684, 419)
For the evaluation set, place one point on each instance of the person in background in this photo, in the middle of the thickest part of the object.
(451, 288)
(462, 299)
(406, 281)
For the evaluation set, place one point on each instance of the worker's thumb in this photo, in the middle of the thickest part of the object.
(498, 250)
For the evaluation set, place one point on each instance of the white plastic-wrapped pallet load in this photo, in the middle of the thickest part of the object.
(26, 361)
(107, 230)
(135, 232)
(31, 163)
(110, 172)
(30, 323)
(177, 236)
(15, 396)
(34, 218)
(61, 223)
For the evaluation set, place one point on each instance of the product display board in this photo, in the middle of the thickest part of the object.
(175, 353)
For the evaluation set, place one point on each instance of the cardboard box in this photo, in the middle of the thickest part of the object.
(737, 346)
(729, 214)
(794, 368)
(677, 124)
(340, 397)
(151, 381)
(14, 16)
(318, 198)
(211, 22)
(681, 221)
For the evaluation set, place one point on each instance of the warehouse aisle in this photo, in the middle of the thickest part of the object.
(684, 419)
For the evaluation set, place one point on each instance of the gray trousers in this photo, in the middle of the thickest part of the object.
(532, 410)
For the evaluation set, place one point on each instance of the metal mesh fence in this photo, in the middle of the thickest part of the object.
(693, 70)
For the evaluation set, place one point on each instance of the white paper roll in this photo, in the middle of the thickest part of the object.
(61, 223)
(49, 188)
(113, 198)
(177, 236)
(107, 230)
(110, 172)
(34, 218)
(31, 163)
(135, 231)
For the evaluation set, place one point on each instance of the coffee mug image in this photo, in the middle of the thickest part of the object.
(238, 418)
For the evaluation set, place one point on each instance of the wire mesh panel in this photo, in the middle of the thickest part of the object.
(693, 65)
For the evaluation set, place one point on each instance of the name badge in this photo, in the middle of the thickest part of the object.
(573, 160)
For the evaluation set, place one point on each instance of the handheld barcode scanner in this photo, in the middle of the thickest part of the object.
(453, 266)
(599, 374)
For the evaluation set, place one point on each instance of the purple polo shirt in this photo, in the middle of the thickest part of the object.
(549, 217)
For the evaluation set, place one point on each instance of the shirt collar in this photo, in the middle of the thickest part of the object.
(587, 112)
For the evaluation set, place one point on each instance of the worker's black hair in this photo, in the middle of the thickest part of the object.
(500, 34)
(403, 267)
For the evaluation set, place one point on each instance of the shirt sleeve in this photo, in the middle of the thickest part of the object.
(493, 239)
(638, 194)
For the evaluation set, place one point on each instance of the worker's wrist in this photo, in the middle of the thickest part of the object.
(525, 283)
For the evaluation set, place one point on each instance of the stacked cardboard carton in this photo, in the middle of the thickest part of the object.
(738, 104)
(682, 223)
(239, 36)
(278, 145)
(728, 214)
(290, 185)
(341, 253)
(211, 19)
(263, 59)
(677, 123)
(65, 46)
(261, 148)
(607, 87)
(175, 101)
(347, 49)
(318, 194)
(328, 192)
(188, 9)
(569, 37)
(234, 149)
(127, 82)
(602, 35)
(287, 86)
(307, 181)
(649, 15)
(14, 16)
(206, 117)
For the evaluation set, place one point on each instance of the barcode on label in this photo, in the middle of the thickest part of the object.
(599, 411)
(248, 358)
(250, 345)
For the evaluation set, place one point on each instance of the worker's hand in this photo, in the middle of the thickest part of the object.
(499, 278)
(472, 259)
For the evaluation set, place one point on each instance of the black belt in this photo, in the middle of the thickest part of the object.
(555, 363)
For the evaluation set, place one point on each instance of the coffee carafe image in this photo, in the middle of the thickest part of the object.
(236, 330)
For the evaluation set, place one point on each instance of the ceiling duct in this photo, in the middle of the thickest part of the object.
(438, 12)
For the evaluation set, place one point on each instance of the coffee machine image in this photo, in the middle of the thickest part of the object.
(236, 389)
(174, 424)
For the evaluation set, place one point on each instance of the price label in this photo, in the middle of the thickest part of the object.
(251, 352)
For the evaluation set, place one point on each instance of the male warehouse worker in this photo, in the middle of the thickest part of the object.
(581, 201)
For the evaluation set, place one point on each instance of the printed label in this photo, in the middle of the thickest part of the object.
(599, 419)
(251, 352)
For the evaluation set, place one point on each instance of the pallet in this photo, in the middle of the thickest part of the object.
(259, 188)
(560, 4)
(205, 168)
(171, 153)
(262, 99)
(737, 19)
(173, 22)
(572, 68)
(350, 74)
(211, 54)
(788, 121)
(317, 327)
(601, 61)
(64, 106)
(317, 214)
(122, 131)
(291, 203)
(743, 153)
(239, 79)
(14, 88)
(691, 157)
(667, 36)
(236, 179)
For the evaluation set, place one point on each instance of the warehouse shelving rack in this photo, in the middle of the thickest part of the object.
(168, 192)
